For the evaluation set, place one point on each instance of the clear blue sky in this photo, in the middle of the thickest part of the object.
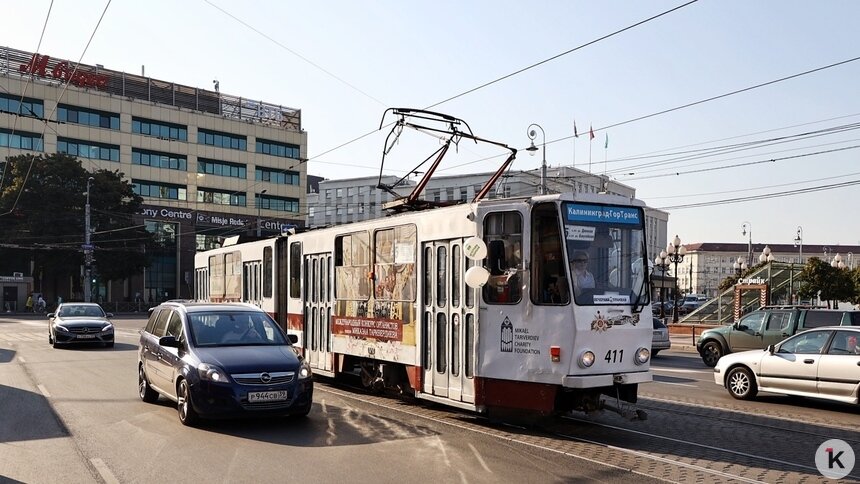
(343, 62)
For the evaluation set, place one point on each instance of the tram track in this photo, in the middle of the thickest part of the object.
(645, 451)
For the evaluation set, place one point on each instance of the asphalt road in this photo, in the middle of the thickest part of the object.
(73, 415)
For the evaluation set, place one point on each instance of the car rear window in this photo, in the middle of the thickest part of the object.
(816, 319)
(854, 318)
(658, 324)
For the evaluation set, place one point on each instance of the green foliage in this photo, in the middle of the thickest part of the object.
(45, 220)
(829, 283)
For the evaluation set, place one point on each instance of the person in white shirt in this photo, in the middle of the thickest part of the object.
(582, 279)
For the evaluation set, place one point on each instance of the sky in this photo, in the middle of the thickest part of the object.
(502, 65)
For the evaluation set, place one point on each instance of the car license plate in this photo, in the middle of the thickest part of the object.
(86, 336)
(275, 396)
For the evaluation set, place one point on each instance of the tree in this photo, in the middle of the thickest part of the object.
(42, 201)
(830, 284)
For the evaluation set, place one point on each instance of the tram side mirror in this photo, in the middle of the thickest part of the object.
(475, 248)
(477, 276)
(293, 339)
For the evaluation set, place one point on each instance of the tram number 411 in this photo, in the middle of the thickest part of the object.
(614, 356)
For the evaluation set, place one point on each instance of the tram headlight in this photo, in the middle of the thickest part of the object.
(642, 356)
(586, 359)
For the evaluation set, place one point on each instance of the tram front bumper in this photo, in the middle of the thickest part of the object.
(596, 381)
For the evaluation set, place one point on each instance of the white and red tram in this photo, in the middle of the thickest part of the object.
(478, 305)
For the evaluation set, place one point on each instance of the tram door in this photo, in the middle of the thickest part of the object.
(447, 323)
(318, 308)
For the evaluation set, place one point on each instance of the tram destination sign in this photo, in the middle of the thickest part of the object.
(581, 212)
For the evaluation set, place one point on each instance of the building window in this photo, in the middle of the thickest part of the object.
(328, 193)
(159, 190)
(23, 107)
(280, 177)
(280, 204)
(350, 191)
(87, 117)
(221, 197)
(159, 129)
(161, 275)
(207, 242)
(221, 168)
(88, 149)
(21, 140)
(275, 148)
(222, 140)
(158, 160)
(339, 193)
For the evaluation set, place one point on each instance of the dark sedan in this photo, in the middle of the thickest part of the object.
(221, 360)
(74, 323)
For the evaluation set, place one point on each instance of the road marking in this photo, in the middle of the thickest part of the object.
(21, 359)
(480, 459)
(104, 471)
(681, 370)
(44, 391)
(672, 383)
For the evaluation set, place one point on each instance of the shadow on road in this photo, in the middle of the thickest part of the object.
(24, 415)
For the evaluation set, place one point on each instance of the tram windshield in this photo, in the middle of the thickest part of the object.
(605, 249)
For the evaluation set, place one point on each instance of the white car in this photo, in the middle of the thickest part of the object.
(819, 363)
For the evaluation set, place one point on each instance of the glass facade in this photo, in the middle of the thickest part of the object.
(88, 149)
(21, 140)
(159, 129)
(88, 117)
(162, 275)
(221, 168)
(223, 140)
(158, 160)
(280, 177)
(26, 107)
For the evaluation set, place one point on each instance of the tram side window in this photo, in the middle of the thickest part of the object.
(216, 276)
(233, 276)
(394, 263)
(352, 264)
(503, 234)
(268, 271)
(295, 270)
(549, 280)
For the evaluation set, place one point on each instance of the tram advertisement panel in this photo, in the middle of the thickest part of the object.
(387, 321)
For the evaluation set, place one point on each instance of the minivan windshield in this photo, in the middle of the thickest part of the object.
(234, 328)
(605, 247)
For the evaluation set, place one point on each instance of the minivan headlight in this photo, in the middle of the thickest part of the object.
(305, 372)
(211, 373)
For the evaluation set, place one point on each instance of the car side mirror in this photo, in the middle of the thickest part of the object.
(108, 315)
(50, 315)
(168, 342)
(293, 339)
(771, 349)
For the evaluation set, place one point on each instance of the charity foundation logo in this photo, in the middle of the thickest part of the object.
(834, 459)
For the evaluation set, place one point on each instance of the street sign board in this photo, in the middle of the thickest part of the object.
(87, 246)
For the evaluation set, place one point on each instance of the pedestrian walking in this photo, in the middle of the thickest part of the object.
(29, 303)
(41, 304)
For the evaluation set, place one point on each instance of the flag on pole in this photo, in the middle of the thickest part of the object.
(575, 132)
(590, 133)
(606, 143)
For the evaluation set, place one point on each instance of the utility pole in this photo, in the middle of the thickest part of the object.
(88, 248)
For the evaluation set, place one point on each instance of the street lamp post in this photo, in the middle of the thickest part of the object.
(662, 262)
(532, 148)
(837, 262)
(747, 228)
(676, 253)
(798, 241)
(88, 248)
(260, 206)
(766, 256)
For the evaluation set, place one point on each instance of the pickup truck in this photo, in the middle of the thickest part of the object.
(767, 326)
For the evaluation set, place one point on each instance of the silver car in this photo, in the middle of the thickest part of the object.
(660, 339)
(819, 363)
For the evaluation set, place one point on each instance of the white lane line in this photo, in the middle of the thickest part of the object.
(104, 471)
(673, 383)
(21, 359)
(44, 391)
(480, 459)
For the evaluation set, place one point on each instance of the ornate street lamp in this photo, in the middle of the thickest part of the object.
(531, 149)
(837, 262)
(747, 228)
(676, 253)
(740, 266)
(798, 241)
(662, 261)
(766, 256)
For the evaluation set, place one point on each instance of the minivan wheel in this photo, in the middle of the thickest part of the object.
(711, 353)
(741, 384)
(147, 394)
(187, 415)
